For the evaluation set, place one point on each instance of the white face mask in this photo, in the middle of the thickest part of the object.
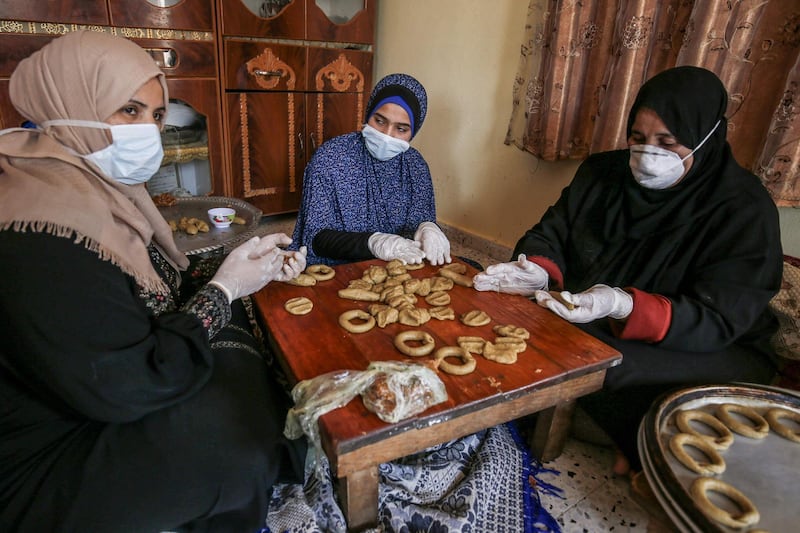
(654, 167)
(134, 155)
(382, 146)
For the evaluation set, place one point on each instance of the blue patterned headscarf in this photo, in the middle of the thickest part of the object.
(408, 89)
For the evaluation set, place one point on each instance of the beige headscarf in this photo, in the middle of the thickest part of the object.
(45, 187)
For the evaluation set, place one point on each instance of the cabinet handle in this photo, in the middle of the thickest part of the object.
(267, 73)
(302, 148)
(312, 142)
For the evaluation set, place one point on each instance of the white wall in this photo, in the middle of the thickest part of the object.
(465, 53)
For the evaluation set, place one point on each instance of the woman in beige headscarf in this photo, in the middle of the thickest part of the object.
(125, 408)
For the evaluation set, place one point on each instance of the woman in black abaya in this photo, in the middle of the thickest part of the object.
(669, 250)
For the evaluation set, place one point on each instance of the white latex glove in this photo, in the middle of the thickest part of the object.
(293, 264)
(434, 243)
(388, 246)
(517, 277)
(599, 301)
(248, 268)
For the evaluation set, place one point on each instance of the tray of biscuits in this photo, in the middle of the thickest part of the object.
(724, 457)
(193, 231)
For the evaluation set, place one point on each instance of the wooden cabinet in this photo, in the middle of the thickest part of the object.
(291, 81)
(180, 37)
(272, 78)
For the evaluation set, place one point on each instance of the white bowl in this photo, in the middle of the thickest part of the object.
(221, 217)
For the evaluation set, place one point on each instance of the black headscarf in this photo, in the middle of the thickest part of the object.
(689, 100)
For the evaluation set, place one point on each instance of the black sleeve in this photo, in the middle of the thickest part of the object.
(350, 245)
(78, 334)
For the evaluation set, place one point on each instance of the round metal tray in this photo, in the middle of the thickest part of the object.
(765, 470)
(216, 240)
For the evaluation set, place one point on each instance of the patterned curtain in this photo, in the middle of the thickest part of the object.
(583, 61)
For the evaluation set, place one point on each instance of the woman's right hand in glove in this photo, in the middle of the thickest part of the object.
(248, 268)
(517, 277)
(388, 246)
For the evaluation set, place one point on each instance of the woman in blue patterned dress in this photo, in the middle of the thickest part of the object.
(369, 194)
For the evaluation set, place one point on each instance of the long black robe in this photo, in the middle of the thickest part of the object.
(117, 418)
(711, 245)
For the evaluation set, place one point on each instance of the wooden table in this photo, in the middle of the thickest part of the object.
(561, 364)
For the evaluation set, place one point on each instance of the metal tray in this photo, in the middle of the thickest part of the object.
(216, 240)
(765, 470)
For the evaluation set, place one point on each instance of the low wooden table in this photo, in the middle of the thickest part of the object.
(561, 364)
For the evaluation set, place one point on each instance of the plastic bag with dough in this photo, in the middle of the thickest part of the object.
(401, 390)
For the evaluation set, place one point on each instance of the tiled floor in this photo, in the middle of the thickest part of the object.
(592, 499)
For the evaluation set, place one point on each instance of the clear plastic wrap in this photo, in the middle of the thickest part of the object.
(393, 390)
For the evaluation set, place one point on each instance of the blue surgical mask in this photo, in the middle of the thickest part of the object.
(382, 147)
(134, 155)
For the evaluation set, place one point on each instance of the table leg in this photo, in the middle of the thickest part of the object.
(551, 431)
(358, 495)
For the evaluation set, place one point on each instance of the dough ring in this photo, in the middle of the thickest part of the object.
(321, 272)
(475, 317)
(346, 318)
(427, 343)
(724, 437)
(679, 441)
(773, 417)
(749, 514)
(467, 361)
(759, 428)
(299, 306)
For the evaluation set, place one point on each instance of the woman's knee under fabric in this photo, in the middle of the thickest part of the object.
(647, 372)
(217, 452)
(648, 364)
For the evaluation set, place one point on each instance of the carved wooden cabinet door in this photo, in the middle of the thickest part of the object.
(339, 83)
(267, 148)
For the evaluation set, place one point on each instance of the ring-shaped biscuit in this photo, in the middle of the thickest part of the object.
(346, 318)
(749, 514)
(758, 430)
(467, 365)
(773, 417)
(715, 465)
(724, 437)
(321, 272)
(427, 343)
(299, 305)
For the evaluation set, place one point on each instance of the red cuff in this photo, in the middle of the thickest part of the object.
(552, 270)
(650, 319)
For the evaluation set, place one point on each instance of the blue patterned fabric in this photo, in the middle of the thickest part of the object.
(483, 482)
(346, 189)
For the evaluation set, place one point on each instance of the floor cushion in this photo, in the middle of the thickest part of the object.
(786, 342)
